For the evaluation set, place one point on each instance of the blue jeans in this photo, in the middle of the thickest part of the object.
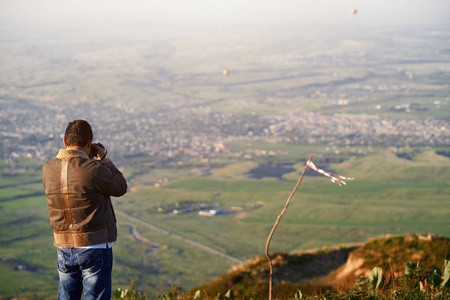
(80, 268)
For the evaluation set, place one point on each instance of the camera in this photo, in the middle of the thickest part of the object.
(93, 152)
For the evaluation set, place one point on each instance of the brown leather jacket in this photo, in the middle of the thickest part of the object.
(78, 193)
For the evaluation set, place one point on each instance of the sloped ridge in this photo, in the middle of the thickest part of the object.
(375, 167)
(323, 269)
(392, 253)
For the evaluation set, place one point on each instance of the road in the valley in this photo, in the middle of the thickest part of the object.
(179, 237)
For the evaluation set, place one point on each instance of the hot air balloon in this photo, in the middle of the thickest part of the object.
(225, 72)
(354, 11)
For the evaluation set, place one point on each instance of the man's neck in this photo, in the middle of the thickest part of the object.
(85, 149)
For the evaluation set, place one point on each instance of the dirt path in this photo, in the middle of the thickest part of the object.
(179, 237)
(138, 237)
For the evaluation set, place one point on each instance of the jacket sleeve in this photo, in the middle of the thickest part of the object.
(110, 180)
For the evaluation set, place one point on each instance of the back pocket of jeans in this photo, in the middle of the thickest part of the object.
(90, 259)
(61, 261)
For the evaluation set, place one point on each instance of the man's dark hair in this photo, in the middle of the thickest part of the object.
(78, 133)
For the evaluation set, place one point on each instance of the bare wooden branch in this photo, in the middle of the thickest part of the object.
(280, 214)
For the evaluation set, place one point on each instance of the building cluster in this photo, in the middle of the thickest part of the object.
(201, 132)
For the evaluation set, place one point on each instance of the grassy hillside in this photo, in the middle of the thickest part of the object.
(425, 168)
(313, 272)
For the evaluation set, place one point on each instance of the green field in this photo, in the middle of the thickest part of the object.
(389, 195)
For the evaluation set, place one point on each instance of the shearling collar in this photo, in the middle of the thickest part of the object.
(68, 154)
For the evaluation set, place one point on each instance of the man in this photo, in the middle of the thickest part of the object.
(78, 184)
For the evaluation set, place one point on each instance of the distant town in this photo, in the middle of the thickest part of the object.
(184, 132)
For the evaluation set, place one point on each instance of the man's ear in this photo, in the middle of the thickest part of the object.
(65, 144)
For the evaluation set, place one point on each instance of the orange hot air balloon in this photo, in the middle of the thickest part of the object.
(225, 72)
(354, 11)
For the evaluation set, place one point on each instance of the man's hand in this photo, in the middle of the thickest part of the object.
(100, 150)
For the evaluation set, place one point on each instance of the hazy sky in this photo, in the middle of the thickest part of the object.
(98, 14)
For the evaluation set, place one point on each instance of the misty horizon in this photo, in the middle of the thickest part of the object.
(159, 19)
